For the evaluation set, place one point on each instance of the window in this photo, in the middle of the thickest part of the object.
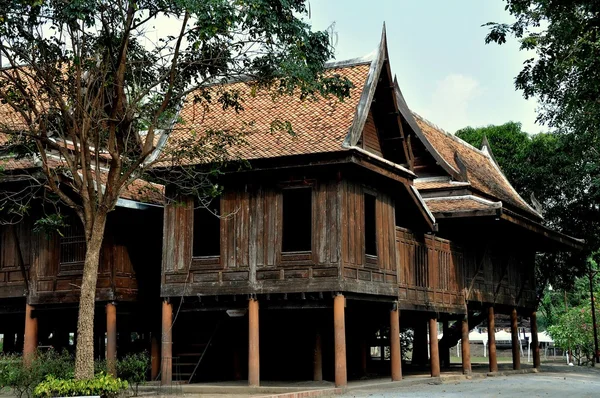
(297, 220)
(72, 242)
(207, 230)
(370, 230)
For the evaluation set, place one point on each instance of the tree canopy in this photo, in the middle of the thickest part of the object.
(89, 89)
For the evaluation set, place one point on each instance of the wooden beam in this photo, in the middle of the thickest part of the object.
(535, 344)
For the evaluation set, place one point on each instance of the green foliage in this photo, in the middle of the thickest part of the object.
(574, 330)
(103, 385)
(22, 379)
(563, 77)
(406, 343)
(52, 223)
(134, 369)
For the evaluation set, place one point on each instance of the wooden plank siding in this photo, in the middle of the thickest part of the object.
(251, 257)
(435, 274)
(355, 263)
(49, 281)
(370, 137)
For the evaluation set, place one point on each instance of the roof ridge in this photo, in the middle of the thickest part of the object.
(365, 59)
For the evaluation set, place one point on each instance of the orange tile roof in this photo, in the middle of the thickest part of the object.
(139, 190)
(319, 125)
(482, 172)
(427, 183)
(456, 204)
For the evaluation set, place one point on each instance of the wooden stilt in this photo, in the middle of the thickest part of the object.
(395, 354)
(444, 349)
(30, 341)
(419, 355)
(364, 354)
(339, 328)
(111, 339)
(167, 344)
(492, 340)
(465, 347)
(535, 344)
(514, 334)
(318, 359)
(9, 341)
(253, 348)
(434, 348)
(154, 356)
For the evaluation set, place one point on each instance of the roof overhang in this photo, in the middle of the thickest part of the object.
(566, 242)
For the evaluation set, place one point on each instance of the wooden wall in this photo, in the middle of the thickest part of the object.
(356, 264)
(50, 281)
(430, 272)
(251, 258)
(370, 137)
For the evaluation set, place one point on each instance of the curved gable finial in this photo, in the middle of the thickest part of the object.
(368, 92)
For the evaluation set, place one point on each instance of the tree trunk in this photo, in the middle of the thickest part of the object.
(84, 355)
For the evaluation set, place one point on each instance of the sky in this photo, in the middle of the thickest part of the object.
(436, 48)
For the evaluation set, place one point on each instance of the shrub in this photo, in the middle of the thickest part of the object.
(134, 369)
(103, 385)
(22, 379)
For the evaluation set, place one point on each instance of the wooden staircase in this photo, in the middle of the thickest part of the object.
(190, 345)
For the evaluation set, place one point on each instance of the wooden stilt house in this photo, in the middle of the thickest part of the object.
(365, 213)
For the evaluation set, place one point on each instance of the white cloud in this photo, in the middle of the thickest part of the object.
(449, 105)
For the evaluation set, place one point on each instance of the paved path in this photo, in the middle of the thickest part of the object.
(554, 381)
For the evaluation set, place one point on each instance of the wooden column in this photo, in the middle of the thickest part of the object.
(395, 354)
(154, 356)
(253, 348)
(111, 339)
(339, 334)
(492, 340)
(9, 341)
(444, 349)
(465, 347)
(535, 344)
(514, 334)
(318, 359)
(30, 341)
(434, 350)
(419, 355)
(364, 355)
(167, 344)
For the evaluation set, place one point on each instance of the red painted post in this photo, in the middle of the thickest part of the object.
(253, 348)
(395, 353)
(339, 328)
(167, 344)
